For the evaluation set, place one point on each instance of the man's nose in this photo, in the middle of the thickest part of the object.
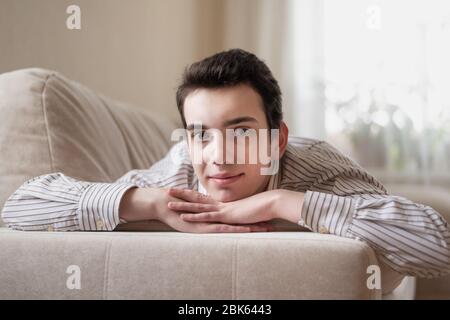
(217, 152)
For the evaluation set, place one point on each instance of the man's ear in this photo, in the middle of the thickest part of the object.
(283, 137)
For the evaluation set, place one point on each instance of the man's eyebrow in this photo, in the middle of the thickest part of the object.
(239, 120)
(230, 122)
(193, 126)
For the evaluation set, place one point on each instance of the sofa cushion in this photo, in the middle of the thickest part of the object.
(50, 123)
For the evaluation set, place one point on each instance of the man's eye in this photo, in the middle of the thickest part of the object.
(242, 132)
(201, 135)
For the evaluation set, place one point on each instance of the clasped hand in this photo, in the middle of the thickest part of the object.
(197, 207)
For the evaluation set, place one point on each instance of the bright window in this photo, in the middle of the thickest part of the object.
(387, 83)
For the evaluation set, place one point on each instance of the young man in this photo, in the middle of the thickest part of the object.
(314, 186)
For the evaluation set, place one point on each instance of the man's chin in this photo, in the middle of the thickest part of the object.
(225, 195)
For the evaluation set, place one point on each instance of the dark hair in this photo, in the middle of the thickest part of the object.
(230, 68)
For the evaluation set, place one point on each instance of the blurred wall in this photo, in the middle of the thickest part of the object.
(134, 50)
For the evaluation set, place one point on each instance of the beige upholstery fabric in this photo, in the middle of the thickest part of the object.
(51, 124)
(282, 265)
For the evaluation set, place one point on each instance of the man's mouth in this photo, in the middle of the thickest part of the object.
(225, 178)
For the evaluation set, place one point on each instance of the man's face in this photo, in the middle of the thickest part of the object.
(239, 108)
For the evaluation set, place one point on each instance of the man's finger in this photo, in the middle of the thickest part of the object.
(226, 228)
(222, 228)
(201, 217)
(261, 227)
(191, 207)
(217, 217)
(191, 195)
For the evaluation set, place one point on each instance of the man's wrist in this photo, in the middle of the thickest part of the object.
(287, 205)
(137, 205)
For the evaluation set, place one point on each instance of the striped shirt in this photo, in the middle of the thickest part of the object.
(340, 198)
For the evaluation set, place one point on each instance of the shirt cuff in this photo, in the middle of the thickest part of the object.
(327, 213)
(99, 206)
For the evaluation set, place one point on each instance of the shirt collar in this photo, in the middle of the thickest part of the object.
(201, 189)
(274, 182)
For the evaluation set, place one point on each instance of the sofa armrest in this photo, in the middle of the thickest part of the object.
(173, 265)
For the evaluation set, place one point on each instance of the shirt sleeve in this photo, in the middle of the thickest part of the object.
(56, 202)
(411, 238)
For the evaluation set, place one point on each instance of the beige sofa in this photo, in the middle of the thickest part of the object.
(49, 124)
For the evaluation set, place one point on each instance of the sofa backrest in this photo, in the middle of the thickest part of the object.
(49, 123)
